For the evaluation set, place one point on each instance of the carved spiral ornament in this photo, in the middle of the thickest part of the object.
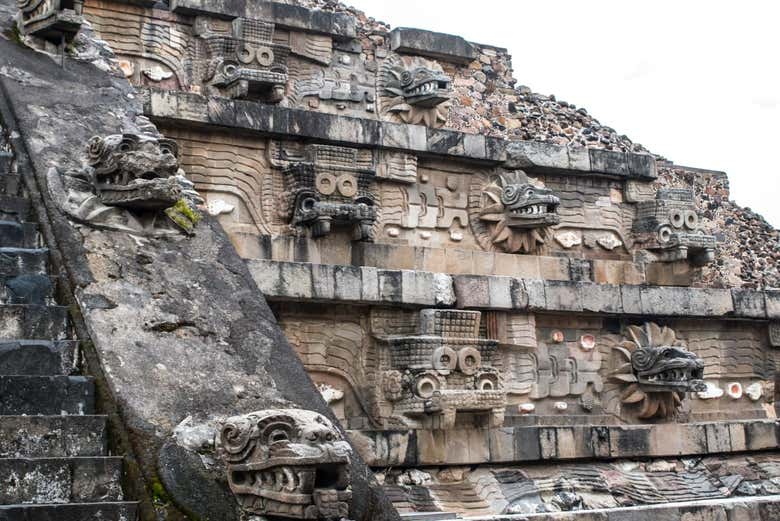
(236, 438)
(96, 148)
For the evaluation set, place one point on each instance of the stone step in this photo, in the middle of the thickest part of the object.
(60, 480)
(27, 289)
(46, 395)
(11, 184)
(52, 436)
(37, 357)
(15, 208)
(114, 511)
(15, 234)
(32, 321)
(23, 261)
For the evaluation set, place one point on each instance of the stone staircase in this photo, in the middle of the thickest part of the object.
(54, 462)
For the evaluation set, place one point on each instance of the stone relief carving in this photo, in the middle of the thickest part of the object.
(130, 182)
(152, 49)
(441, 370)
(669, 227)
(511, 212)
(774, 334)
(345, 84)
(331, 185)
(53, 20)
(413, 90)
(287, 463)
(656, 369)
(243, 63)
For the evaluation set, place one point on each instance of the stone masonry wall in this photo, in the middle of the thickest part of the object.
(489, 100)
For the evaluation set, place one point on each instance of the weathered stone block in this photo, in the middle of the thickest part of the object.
(601, 298)
(472, 291)
(417, 287)
(323, 281)
(749, 303)
(500, 289)
(348, 283)
(642, 166)
(562, 296)
(390, 286)
(772, 303)
(442, 46)
(608, 162)
(295, 280)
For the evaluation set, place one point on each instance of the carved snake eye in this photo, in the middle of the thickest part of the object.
(529, 193)
(126, 145)
(426, 386)
(406, 78)
(278, 435)
(691, 220)
(664, 234)
(229, 69)
(676, 218)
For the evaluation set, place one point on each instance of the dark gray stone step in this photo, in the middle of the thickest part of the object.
(52, 436)
(32, 321)
(27, 289)
(60, 480)
(15, 234)
(23, 261)
(37, 357)
(46, 395)
(114, 511)
(11, 184)
(15, 208)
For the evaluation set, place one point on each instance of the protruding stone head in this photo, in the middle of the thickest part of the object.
(287, 463)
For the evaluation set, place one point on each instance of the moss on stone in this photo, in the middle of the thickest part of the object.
(183, 215)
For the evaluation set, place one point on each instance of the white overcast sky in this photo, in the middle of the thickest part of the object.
(697, 82)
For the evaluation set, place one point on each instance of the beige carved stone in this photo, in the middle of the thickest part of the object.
(244, 62)
(287, 463)
(441, 370)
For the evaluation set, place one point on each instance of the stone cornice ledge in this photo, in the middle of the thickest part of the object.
(284, 15)
(196, 110)
(556, 443)
(368, 285)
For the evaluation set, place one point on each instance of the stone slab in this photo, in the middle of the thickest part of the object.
(284, 15)
(441, 46)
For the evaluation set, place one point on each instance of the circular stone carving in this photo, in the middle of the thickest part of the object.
(469, 360)
(691, 220)
(245, 54)
(677, 218)
(444, 360)
(326, 183)
(347, 185)
(265, 56)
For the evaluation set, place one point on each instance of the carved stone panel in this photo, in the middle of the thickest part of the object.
(243, 62)
(669, 226)
(443, 369)
(53, 20)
